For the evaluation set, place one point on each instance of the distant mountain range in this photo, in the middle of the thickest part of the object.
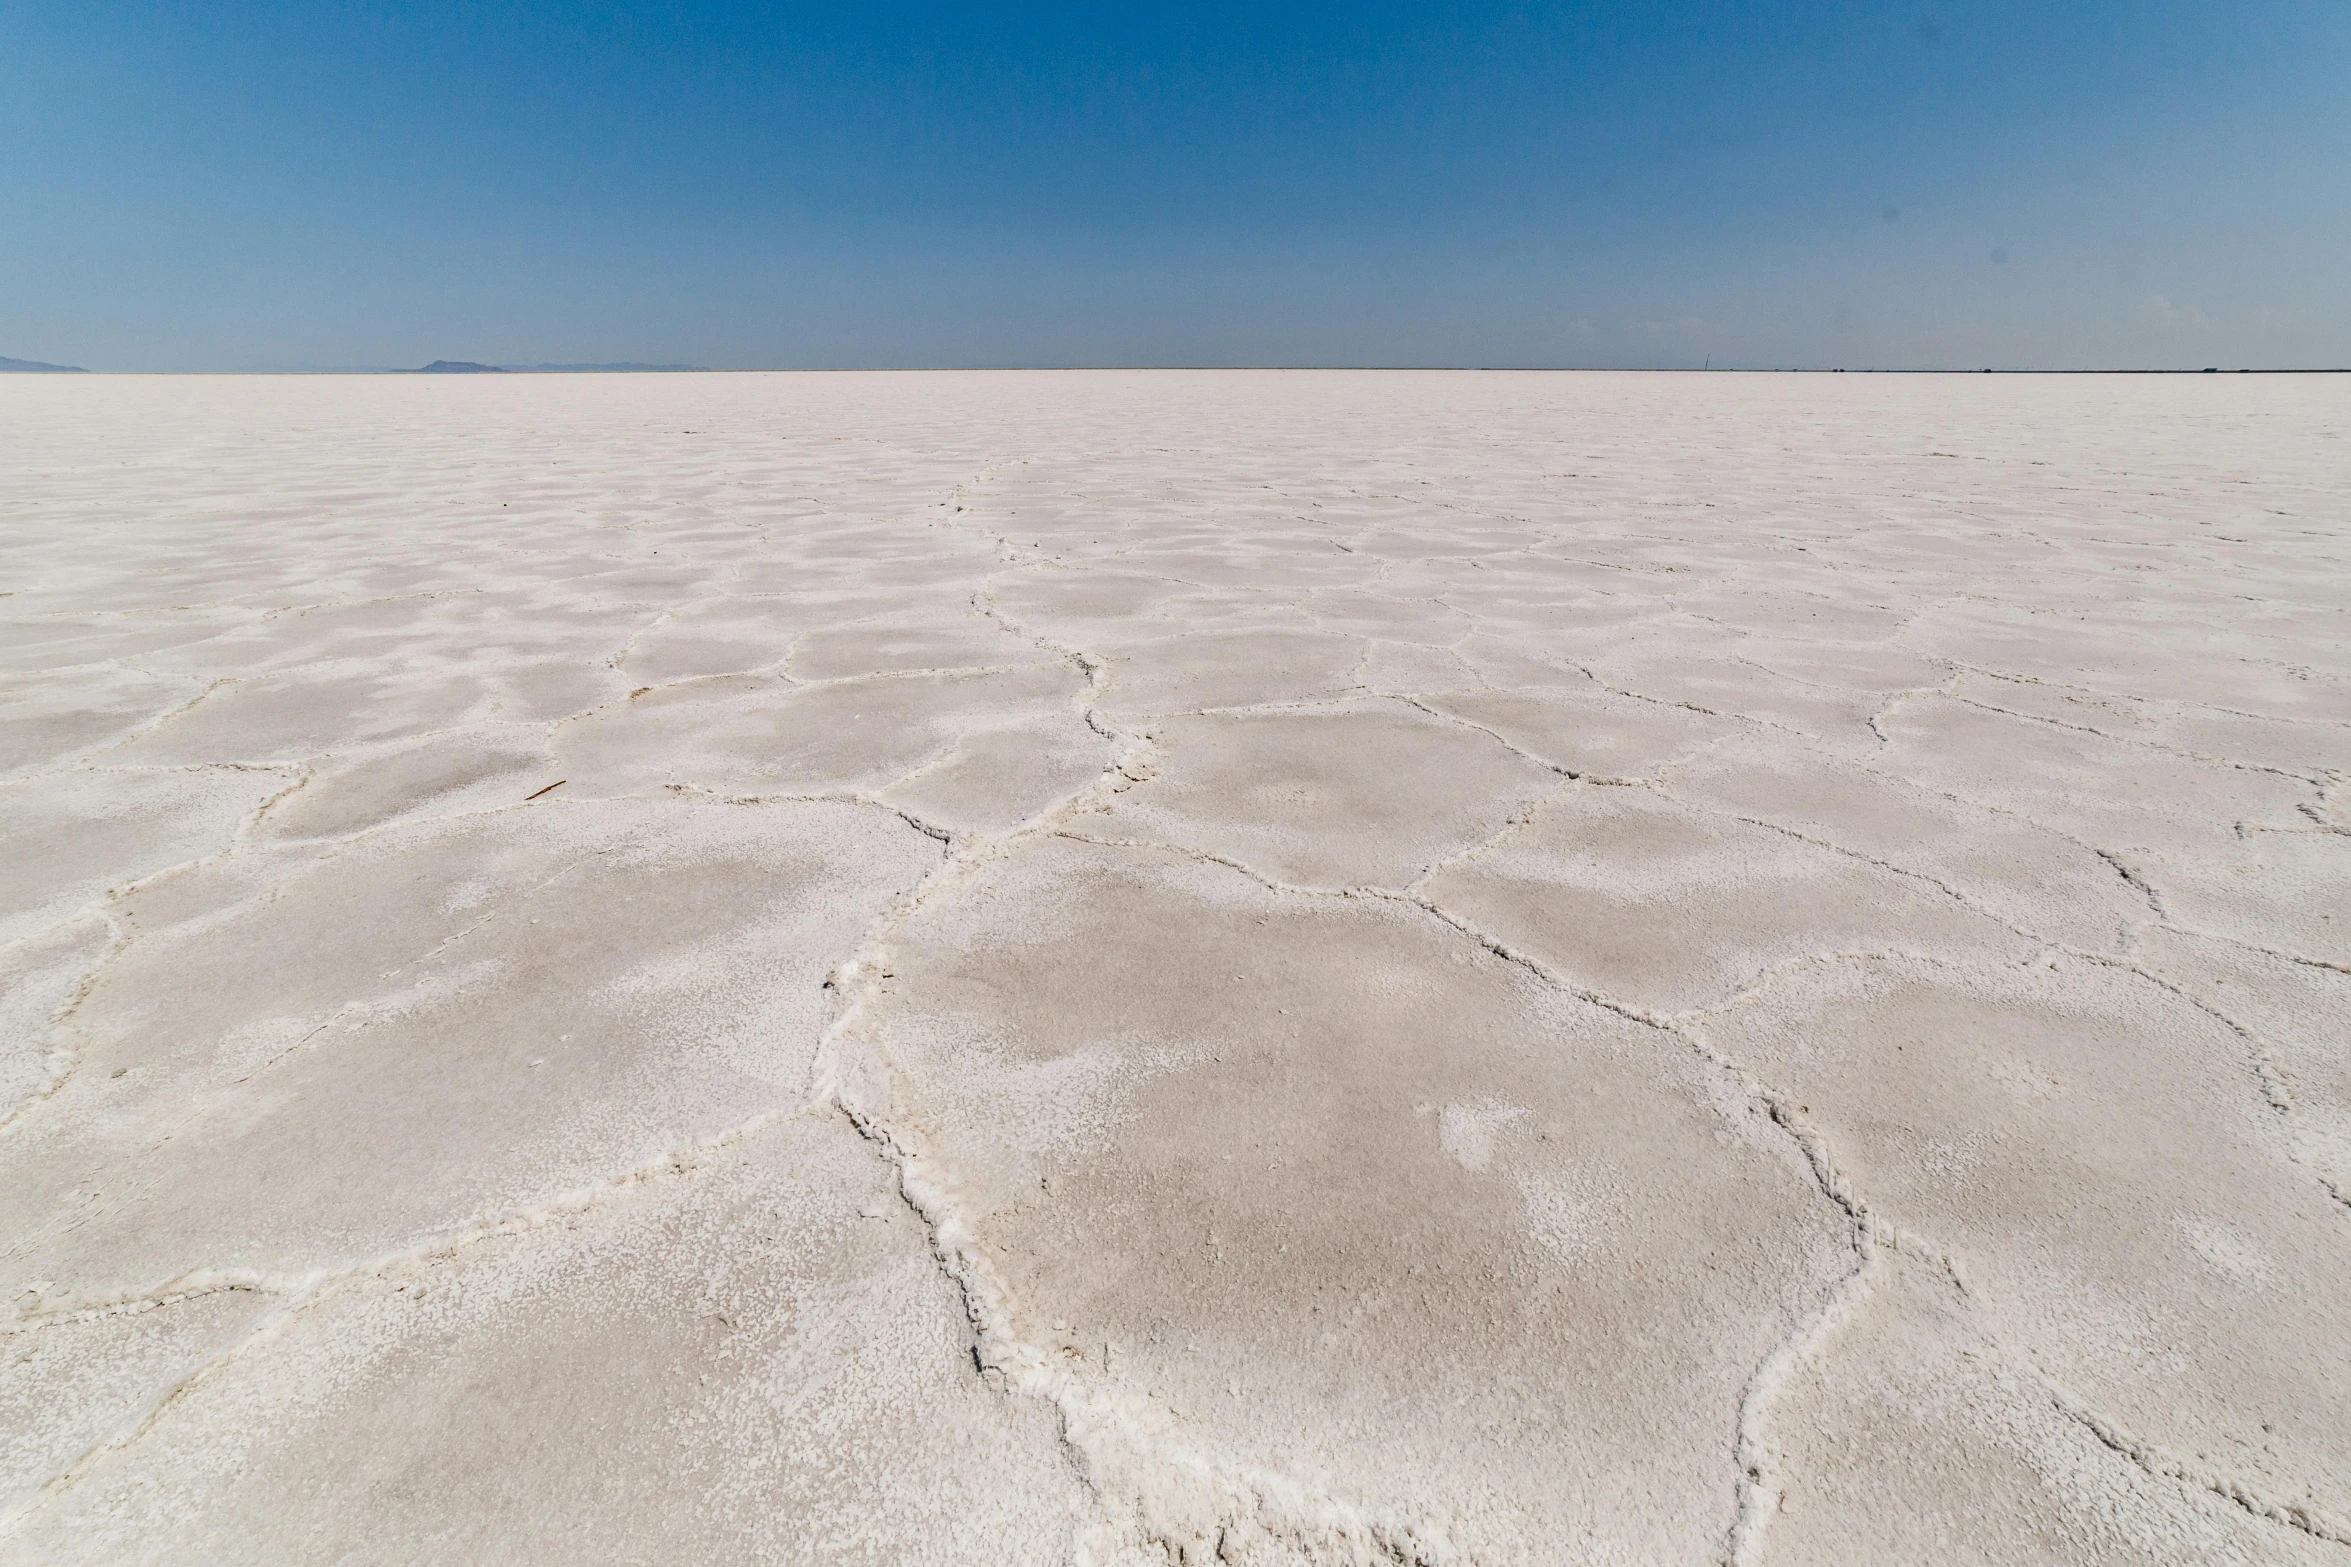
(603, 367)
(468, 367)
(7, 364)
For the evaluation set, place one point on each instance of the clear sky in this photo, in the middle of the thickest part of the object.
(2048, 184)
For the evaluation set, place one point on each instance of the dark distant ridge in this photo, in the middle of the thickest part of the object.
(469, 367)
(606, 368)
(7, 363)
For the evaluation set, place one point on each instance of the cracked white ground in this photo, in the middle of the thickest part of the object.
(1264, 967)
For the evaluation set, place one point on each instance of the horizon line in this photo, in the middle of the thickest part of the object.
(1469, 369)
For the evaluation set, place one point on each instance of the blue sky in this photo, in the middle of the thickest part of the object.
(2101, 183)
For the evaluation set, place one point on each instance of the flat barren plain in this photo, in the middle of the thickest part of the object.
(1132, 968)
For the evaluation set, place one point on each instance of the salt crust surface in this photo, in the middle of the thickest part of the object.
(1263, 967)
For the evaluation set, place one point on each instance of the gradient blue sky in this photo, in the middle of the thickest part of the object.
(2102, 183)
